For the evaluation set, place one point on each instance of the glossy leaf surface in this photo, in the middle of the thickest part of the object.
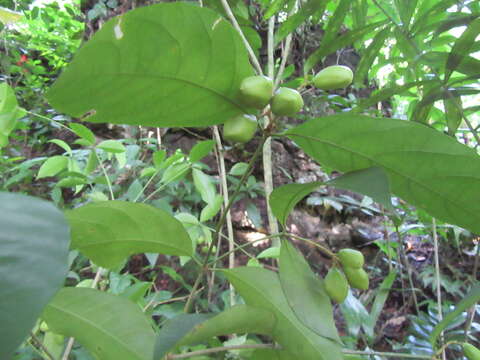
(110, 327)
(107, 232)
(169, 64)
(426, 168)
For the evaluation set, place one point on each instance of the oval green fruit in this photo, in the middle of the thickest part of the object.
(336, 285)
(351, 258)
(357, 278)
(286, 102)
(240, 128)
(256, 91)
(471, 352)
(333, 77)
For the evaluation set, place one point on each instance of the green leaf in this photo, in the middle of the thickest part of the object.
(275, 6)
(340, 42)
(462, 47)
(468, 301)
(168, 64)
(205, 186)
(308, 9)
(83, 132)
(426, 168)
(370, 54)
(261, 288)
(453, 113)
(34, 240)
(200, 150)
(110, 327)
(212, 209)
(305, 293)
(52, 166)
(174, 330)
(238, 169)
(372, 182)
(354, 313)
(112, 146)
(468, 66)
(239, 319)
(63, 145)
(10, 112)
(283, 199)
(377, 307)
(333, 26)
(108, 232)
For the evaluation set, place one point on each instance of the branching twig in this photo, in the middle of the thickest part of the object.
(220, 349)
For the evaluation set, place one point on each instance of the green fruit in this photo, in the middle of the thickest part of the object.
(357, 278)
(286, 102)
(471, 352)
(336, 285)
(256, 91)
(333, 77)
(240, 128)
(351, 258)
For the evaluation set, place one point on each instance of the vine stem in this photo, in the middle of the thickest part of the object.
(267, 147)
(221, 222)
(408, 267)
(386, 354)
(320, 247)
(223, 179)
(220, 349)
(437, 279)
(251, 53)
(41, 346)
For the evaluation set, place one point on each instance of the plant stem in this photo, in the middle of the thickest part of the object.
(237, 27)
(386, 354)
(220, 349)
(109, 184)
(222, 220)
(320, 247)
(471, 311)
(409, 269)
(437, 278)
(223, 179)
(41, 346)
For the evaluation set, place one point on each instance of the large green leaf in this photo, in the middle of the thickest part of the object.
(283, 199)
(10, 112)
(34, 239)
(261, 288)
(110, 327)
(426, 168)
(109, 231)
(169, 64)
(305, 293)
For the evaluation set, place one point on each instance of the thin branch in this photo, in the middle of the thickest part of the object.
(223, 180)
(251, 53)
(41, 346)
(220, 349)
(386, 354)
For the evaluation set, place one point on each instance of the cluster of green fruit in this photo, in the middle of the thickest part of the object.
(257, 92)
(337, 281)
(471, 352)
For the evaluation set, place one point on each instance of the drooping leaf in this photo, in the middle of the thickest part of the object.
(283, 199)
(354, 313)
(340, 42)
(108, 232)
(83, 132)
(261, 288)
(426, 168)
(168, 64)
(10, 112)
(239, 319)
(112, 146)
(468, 301)
(305, 293)
(211, 209)
(461, 48)
(372, 182)
(110, 327)
(453, 113)
(174, 330)
(34, 241)
(204, 185)
(200, 150)
(52, 166)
